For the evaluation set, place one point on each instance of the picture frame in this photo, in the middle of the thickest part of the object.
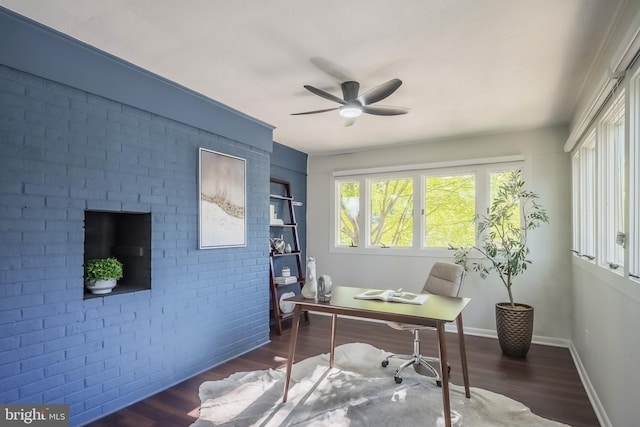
(222, 200)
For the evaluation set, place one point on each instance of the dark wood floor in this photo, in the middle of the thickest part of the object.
(546, 381)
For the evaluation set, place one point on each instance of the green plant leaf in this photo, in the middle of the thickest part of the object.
(503, 242)
(103, 269)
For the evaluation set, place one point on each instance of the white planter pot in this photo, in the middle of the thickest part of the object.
(99, 287)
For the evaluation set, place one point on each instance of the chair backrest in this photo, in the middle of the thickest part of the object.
(445, 279)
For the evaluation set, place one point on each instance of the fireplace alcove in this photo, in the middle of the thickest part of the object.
(125, 236)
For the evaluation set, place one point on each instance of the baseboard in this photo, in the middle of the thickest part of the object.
(536, 339)
(591, 392)
(488, 333)
(542, 340)
(596, 404)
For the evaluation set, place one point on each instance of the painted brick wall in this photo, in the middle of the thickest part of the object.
(63, 150)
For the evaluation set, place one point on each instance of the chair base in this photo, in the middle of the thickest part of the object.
(415, 359)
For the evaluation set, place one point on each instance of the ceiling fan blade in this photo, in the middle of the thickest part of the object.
(350, 90)
(340, 74)
(380, 110)
(380, 92)
(315, 111)
(323, 94)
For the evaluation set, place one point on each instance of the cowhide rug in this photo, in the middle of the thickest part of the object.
(356, 392)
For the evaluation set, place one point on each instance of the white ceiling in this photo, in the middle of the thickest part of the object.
(467, 66)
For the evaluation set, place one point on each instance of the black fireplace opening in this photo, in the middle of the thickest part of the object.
(125, 236)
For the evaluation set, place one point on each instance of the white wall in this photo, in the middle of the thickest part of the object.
(546, 286)
(606, 306)
(605, 325)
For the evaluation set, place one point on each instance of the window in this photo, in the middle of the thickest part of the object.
(576, 202)
(450, 204)
(633, 241)
(584, 198)
(611, 152)
(606, 184)
(588, 192)
(417, 209)
(391, 212)
(349, 194)
(634, 205)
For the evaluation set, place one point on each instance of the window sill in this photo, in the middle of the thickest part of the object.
(612, 278)
(408, 252)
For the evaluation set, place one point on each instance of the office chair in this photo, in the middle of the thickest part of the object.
(444, 279)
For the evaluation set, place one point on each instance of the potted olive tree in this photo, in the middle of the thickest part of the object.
(503, 248)
(102, 274)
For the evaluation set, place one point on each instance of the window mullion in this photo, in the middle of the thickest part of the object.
(420, 215)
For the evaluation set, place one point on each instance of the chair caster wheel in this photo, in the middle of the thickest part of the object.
(439, 383)
(385, 363)
(398, 379)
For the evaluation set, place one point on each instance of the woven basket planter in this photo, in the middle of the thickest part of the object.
(515, 328)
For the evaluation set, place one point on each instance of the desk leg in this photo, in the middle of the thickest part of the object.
(463, 356)
(442, 344)
(292, 348)
(334, 319)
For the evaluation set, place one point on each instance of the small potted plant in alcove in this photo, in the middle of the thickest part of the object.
(102, 274)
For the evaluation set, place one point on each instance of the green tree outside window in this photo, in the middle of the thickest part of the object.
(450, 203)
(391, 212)
(349, 213)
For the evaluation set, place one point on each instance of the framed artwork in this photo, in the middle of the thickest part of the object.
(222, 200)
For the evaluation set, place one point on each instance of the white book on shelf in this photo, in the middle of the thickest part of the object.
(285, 280)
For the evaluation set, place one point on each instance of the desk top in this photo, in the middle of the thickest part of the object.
(436, 308)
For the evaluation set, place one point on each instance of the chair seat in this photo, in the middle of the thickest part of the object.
(444, 279)
(408, 326)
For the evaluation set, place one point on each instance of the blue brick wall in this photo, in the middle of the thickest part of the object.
(64, 150)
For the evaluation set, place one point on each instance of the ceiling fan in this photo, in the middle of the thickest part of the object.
(352, 106)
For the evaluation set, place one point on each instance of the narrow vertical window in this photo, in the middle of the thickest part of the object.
(576, 198)
(349, 198)
(633, 241)
(612, 159)
(587, 194)
(391, 212)
(450, 203)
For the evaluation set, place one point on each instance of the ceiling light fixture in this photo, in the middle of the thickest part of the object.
(350, 111)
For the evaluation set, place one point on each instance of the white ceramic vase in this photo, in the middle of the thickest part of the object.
(310, 288)
(100, 287)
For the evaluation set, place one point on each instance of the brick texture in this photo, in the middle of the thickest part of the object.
(63, 151)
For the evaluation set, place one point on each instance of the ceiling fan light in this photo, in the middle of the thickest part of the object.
(350, 111)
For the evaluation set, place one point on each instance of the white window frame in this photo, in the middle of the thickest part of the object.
(476, 171)
(367, 218)
(611, 146)
(338, 218)
(625, 278)
(480, 167)
(633, 161)
(576, 202)
(584, 198)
